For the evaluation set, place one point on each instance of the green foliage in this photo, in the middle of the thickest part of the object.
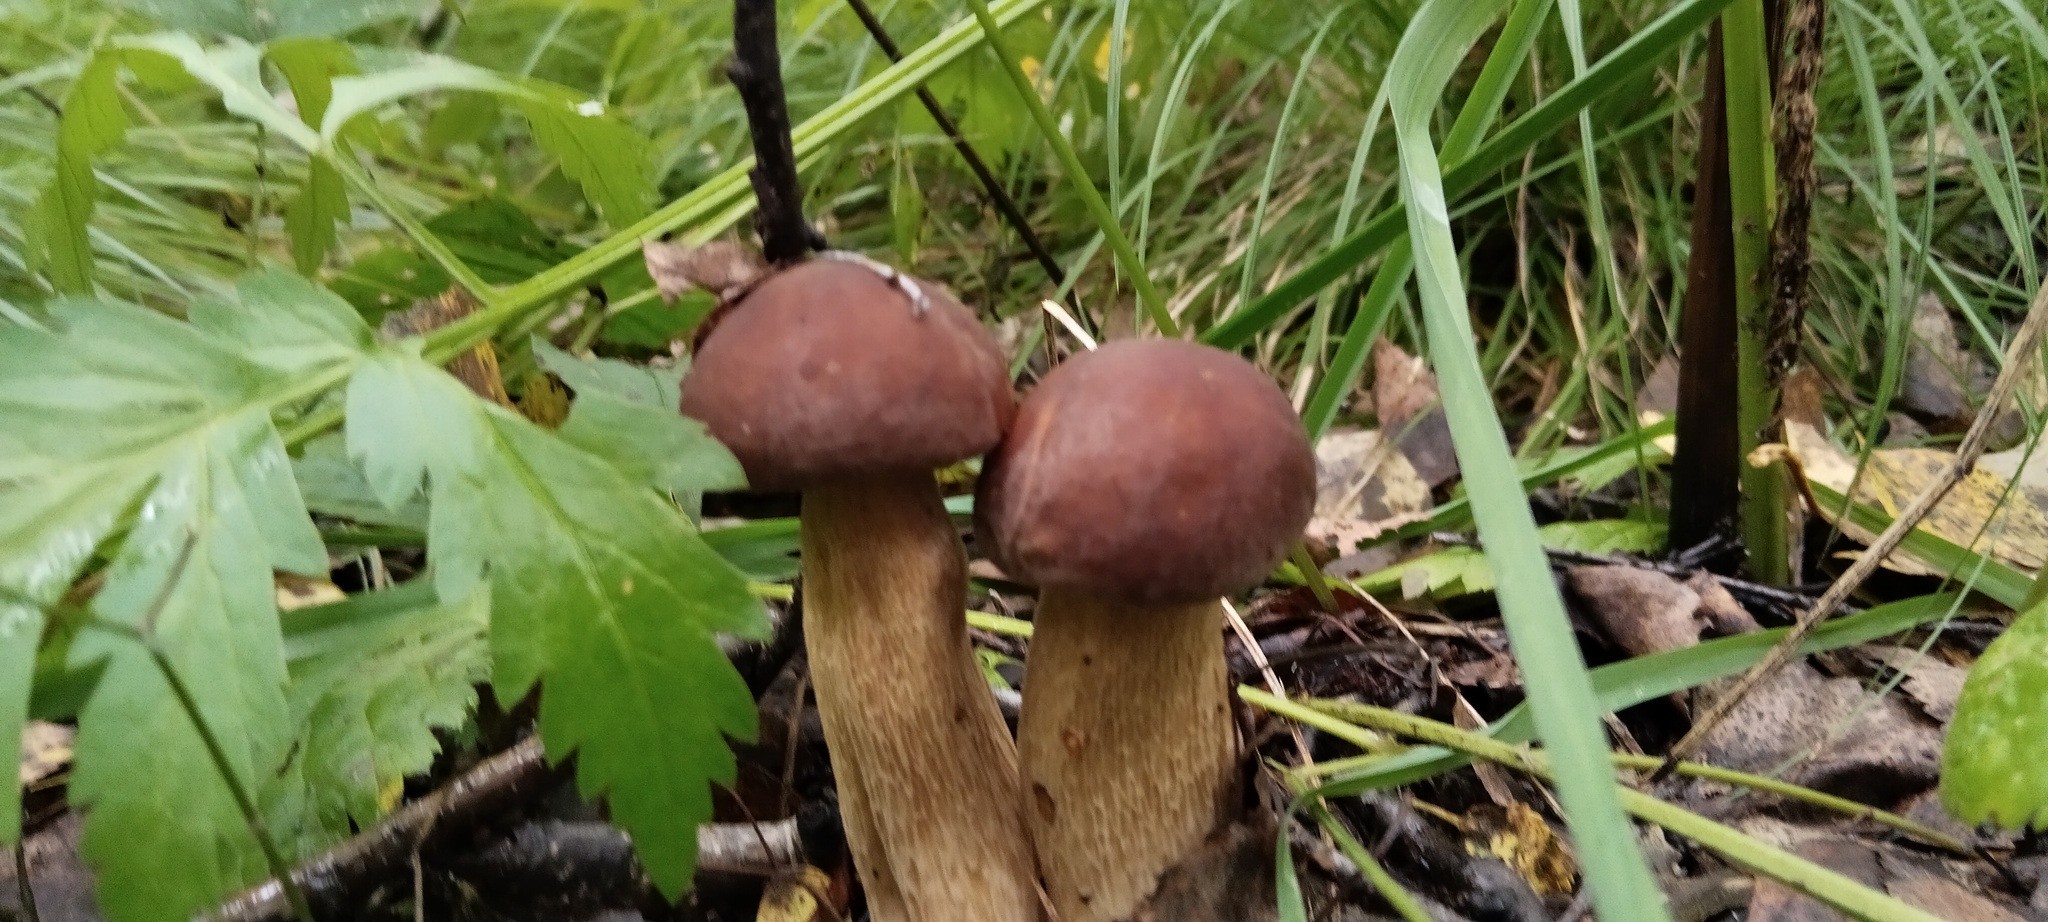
(1994, 762)
(626, 414)
(593, 581)
(93, 121)
(1456, 571)
(155, 436)
(269, 19)
(368, 687)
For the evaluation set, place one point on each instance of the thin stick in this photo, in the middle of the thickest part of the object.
(2018, 359)
(997, 195)
(757, 73)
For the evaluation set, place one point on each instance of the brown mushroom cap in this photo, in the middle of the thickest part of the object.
(1150, 471)
(824, 370)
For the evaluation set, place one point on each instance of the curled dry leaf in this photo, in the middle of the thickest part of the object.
(1364, 487)
(721, 267)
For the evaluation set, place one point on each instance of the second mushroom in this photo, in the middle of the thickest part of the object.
(1138, 484)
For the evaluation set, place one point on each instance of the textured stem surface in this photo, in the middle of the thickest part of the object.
(926, 771)
(1126, 743)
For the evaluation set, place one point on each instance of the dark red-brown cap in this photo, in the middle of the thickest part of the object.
(1148, 470)
(824, 370)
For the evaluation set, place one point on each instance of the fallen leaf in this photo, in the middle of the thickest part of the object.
(796, 895)
(1948, 900)
(1410, 409)
(477, 368)
(45, 750)
(1642, 611)
(1930, 682)
(1364, 488)
(721, 267)
(1980, 512)
(1518, 835)
(295, 592)
(1775, 902)
(1874, 751)
(1725, 616)
(1939, 375)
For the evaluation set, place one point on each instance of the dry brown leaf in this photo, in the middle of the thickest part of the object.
(1364, 487)
(45, 750)
(2017, 532)
(796, 895)
(295, 592)
(721, 267)
(1774, 902)
(1642, 611)
(1948, 900)
(477, 368)
(1410, 409)
(1930, 682)
(1519, 837)
(1873, 751)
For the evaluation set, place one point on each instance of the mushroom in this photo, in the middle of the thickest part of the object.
(853, 386)
(1138, 484)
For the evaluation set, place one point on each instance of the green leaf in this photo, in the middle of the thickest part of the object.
(310, 67)
(651, 387)
(93, 123)
(269, 19)
(1560, 694)
(1456, 571)
(131, 420)
(608, 158)
(1994, 763)
(490, 234)
(333, 485)
(627, 414)
(353, 96)
(595, 584)
(657, 447)
(287, 323)
(395, 665)
(234, 69)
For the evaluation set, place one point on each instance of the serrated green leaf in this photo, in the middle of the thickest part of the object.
(656, 447)
(129, 416)
(354, 96)
(287, 323)
(490, 234)
(641, 384)
(398, 664)
(234, 69)
(595, 583)
(124, 424)
(333, 485)
(93, 122)
(607, 157)
(268, 19)
(1994, 762)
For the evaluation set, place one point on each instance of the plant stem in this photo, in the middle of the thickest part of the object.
(997, 195)
(1397, 896)
(1751, 181)
(144, 634)
(756, 73)
(1070, 162)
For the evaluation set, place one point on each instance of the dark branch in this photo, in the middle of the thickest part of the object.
(997, 195)
(757, 73)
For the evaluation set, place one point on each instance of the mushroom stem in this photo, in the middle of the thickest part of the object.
(1126, 744)
(926, 771)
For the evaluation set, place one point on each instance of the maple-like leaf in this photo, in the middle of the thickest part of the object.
(371, 677)
(149, 440)
(595, 582)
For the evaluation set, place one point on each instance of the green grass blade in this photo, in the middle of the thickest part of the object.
(1567, 713)
(1076, 173)
(1626, 62)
